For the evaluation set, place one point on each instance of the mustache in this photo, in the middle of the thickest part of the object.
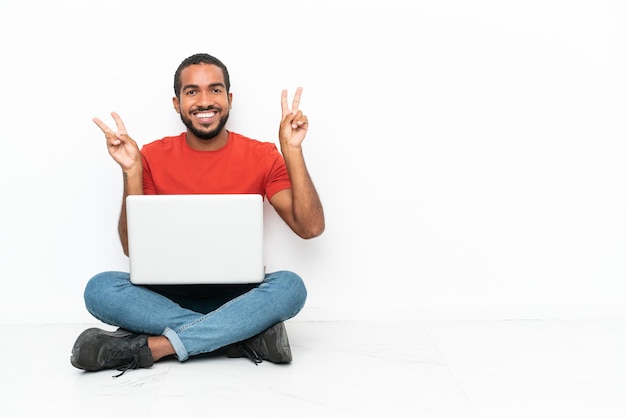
(206, 109)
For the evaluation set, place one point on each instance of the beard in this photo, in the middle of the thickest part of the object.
(205, 135)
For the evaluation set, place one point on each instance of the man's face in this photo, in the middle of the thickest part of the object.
(204, 104)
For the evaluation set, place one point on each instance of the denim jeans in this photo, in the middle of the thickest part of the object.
(195, 324)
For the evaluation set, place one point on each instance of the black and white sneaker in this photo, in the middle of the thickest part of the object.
(97, 349)
(271, 345)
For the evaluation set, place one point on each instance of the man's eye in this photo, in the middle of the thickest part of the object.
(190, 92)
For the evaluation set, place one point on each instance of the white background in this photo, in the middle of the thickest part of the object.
(469, 154)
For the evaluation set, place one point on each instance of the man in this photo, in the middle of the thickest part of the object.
(240, 320)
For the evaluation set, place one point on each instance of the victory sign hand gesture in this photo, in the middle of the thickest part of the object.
(294, 124)
(122, 147)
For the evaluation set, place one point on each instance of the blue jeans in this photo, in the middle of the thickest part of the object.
(195, 324)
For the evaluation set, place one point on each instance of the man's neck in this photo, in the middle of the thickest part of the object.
(217, 142)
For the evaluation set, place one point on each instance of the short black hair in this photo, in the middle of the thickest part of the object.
(199, 59)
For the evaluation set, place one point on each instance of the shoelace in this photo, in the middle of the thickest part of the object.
(131, 360)
(250, 353)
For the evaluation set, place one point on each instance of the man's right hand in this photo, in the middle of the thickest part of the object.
(122, 147)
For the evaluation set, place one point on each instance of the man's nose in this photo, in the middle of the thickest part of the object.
(205, 99)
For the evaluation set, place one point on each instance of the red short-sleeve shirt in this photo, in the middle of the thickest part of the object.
(244, 166)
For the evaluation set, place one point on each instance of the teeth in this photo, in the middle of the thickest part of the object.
(205, 115)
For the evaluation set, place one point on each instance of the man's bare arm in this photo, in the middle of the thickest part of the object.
(126, 153)
(300, 207)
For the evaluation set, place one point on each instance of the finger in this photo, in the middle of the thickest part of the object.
(294, 118)
(298, 119)
(283, 102)
(121, 129)
(102, 126)
(296, 100)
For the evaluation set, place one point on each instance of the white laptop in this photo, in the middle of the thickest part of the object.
(195, 239)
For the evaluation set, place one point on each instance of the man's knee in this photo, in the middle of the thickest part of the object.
(100, 286)
(293, 288)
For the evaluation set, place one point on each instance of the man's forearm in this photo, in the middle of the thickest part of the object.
(133, 184)
(307, 207)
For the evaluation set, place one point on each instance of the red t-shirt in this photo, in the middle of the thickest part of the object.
(243, 166)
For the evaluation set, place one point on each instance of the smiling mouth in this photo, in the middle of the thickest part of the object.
(205, 117)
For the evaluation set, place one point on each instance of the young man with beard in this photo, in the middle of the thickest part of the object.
(182, 321)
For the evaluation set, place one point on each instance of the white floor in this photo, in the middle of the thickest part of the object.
(484, 369)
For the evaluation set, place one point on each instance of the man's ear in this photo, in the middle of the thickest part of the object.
(176, 104)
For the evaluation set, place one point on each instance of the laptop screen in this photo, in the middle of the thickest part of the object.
(195, 239)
